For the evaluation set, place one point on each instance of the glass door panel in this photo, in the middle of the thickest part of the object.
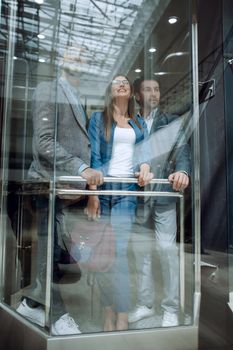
(228, 71)
(81, 73)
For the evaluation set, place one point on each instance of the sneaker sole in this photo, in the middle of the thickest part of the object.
(55, 332)
(141, 318)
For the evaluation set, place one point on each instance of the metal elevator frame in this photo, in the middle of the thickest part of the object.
(142, 339)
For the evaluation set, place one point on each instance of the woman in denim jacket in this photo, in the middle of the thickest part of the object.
(113, 134)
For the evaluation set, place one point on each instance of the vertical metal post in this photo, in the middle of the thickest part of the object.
(196, 169)
(25, 117)
(49, 271)
(5, 139)
(182, 256)
(19, 238)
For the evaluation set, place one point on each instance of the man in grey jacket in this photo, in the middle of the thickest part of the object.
(172, 163)
(60, 147)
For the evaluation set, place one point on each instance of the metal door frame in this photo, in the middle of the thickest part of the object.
(180, 337)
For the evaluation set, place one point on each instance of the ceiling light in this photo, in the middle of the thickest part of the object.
(137, 70)
(15, 58)
(172, 19)
(41, 36)
(39, 1)
(160, 73)
(152, 49)
(42, 60)
(175, 54)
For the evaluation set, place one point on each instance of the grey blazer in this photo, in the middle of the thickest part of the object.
(60, 141)
(177, 159)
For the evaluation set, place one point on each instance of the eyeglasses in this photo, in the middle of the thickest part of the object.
(119, 82)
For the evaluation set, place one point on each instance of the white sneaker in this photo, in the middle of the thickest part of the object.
(139, 313)
(34, 314)
(65, 325)
(170, 319)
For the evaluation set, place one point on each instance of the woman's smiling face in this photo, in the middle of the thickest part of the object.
(120, 87)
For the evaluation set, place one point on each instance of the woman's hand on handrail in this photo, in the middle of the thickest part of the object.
(144, 175)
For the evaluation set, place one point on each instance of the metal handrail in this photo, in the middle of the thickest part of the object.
(111, 179)
(119, 192)
(80, 192)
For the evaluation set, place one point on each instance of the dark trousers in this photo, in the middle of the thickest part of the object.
(35, 295)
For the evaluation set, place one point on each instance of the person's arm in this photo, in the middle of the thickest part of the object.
(94, 132)
(144, 174)
(45, 109)
(180, 178)
(93, 204)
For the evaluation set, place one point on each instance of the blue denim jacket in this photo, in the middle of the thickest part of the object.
(101, 149)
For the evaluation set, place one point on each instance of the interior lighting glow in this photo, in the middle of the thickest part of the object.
(172, 19)
(41, 36)
(42, 60)
(160, 73)
(152, 49)
(39, 1)
(138, 70)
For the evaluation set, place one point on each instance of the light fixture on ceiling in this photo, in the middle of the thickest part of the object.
(161, 73)
(152, 49)
(15, 58)
(179, 53)
(42, 60)
(39, 1)
(137, 70)
(175, 54)
(168, 73)
(172, 19)
(41, 36)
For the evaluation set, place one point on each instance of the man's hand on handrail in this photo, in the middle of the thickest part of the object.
(179, 180)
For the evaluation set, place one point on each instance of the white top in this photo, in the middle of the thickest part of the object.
(121, 163)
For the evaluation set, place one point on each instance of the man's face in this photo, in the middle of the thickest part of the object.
(149, 95)
(72, 63)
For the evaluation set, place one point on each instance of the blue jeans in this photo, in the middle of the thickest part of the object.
(114, 284)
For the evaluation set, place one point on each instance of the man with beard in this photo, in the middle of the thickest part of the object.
(175, 166)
